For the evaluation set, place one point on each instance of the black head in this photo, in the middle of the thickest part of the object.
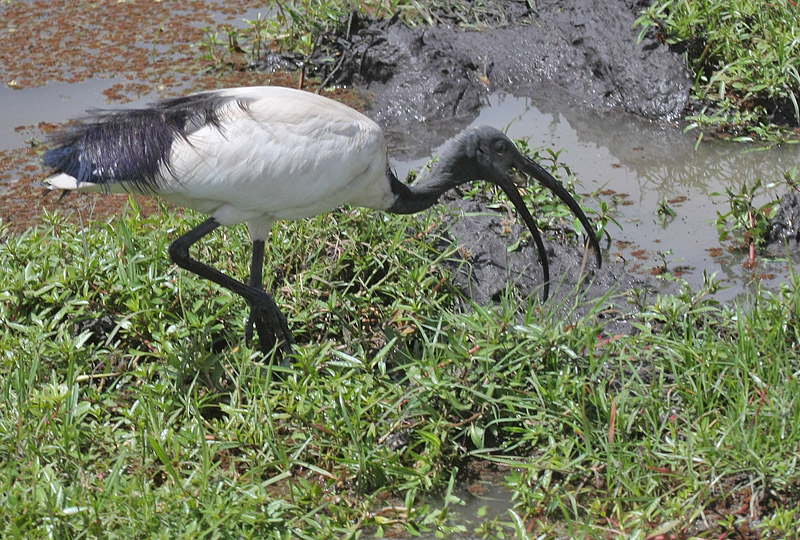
(491, 153)
(485, 153)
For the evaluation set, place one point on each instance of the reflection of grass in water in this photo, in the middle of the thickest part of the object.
(156, 419)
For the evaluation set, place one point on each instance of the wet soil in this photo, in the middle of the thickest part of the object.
(143, 51)
(785, 226)
(422, 84)
(426, 81)
(485, 263)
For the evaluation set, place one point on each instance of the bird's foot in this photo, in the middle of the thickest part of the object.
(270, 324)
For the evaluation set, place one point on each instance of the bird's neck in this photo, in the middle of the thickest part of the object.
(448, 173)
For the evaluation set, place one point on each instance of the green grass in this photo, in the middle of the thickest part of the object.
(130, 407)
(164, 424)
(745, 57)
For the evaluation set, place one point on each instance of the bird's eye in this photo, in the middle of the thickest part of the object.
(500, 147)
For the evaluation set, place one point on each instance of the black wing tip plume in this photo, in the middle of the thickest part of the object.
(67, 159)
(132, 146)
(61, 159)
(56, 157)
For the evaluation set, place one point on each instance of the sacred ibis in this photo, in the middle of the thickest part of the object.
(261, 154)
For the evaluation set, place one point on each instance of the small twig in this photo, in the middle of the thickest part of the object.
(613, 422)
(467, 421)
(82, 378)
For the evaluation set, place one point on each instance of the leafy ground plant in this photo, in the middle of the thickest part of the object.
(745, 56)
(131, 408)
(746, 224)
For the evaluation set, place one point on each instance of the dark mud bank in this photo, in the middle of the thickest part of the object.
(427, 82)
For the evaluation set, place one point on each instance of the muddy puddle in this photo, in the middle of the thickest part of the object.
(635, 165)
(59, 101)
(643, 163)
(579, 96)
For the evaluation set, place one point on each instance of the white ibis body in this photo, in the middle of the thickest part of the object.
(261, 154)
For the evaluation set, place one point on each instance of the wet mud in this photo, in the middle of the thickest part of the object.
(427, 83)
(486, 262)
(785, 226)
(784, 230)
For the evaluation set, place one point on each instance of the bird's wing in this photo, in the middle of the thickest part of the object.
(286, 154)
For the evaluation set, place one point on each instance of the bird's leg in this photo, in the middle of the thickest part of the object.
(256, 281)
(270, 322)
(265, 332)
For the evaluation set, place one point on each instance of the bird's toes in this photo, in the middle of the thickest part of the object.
(266, 333)
(271, 326)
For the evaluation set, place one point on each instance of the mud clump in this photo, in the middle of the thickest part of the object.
(415, 77)
(785, 226)
(487, 261)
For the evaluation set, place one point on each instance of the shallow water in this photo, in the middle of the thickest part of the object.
(649, 163)
(56, 102)
(606, 151)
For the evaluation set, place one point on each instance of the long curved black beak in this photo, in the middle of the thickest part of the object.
(529, 167)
